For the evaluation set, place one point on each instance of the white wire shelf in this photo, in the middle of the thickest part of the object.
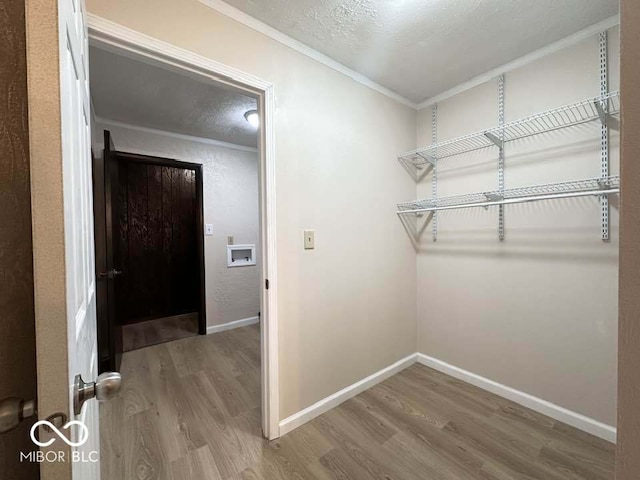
(548, 191)
(588, 110)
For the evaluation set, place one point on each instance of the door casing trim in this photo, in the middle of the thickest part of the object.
(112, 36)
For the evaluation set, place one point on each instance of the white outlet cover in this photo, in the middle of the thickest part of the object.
(208, 229)
(241, 255)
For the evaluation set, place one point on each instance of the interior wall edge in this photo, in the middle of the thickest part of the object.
(524, 60)
(564, 415)
(47, 203)
(628, 448)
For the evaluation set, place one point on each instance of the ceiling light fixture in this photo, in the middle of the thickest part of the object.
(253, 118)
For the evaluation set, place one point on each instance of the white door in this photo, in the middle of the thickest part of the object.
(78, 223)
(75, 132)
(63, 246)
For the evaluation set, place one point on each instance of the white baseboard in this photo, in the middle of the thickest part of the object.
(231, 325)
(577, 420)
(332, 401)
(581, 422)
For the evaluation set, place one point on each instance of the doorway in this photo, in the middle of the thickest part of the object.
(180, 187)
(113, 37)
(149, 251)
(159, 250)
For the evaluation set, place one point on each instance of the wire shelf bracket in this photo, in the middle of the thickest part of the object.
(607, 119)
(498, 143)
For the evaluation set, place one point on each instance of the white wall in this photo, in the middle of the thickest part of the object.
(537, 312)
(230, 197)
(348, 308)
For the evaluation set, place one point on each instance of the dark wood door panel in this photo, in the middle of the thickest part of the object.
(157, 241)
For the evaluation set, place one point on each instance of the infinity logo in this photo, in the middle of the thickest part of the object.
(84, 433)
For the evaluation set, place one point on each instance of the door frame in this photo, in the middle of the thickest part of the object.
(109, 35)
(197, 167)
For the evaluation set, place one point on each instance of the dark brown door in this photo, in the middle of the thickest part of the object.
(106, 174)
(157, 241)
(17, 320)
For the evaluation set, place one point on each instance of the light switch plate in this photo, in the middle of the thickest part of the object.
(208, 229)
(309, 239)
(229, 239)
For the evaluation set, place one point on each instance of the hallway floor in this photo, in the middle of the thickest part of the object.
(159, 330)
(190, 409)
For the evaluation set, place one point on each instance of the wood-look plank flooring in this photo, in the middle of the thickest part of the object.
(160, 330)
(190, 409)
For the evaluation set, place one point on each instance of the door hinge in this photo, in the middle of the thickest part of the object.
(14, 410)
(266, 284)
(110, 275)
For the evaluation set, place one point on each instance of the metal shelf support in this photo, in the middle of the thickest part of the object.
(603, 108)
(499, 143)
(501, 155)
(434, 173)
(427, 158)
(602, 113)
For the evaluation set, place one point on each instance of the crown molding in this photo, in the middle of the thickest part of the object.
(179, 136)
(102, 28)
(524, 60)
(251, 22)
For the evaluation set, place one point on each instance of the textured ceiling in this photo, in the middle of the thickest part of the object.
(137, 93)
(420, 48)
